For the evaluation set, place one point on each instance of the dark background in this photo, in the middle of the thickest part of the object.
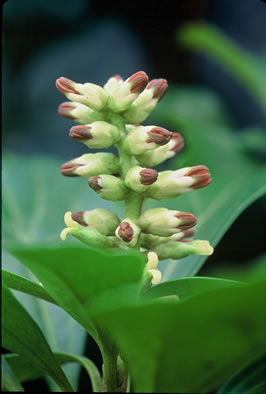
(89, 41)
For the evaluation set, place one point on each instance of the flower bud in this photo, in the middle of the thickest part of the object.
(91, 164)
(121, 95)
(128, 232)
(100, 219)
(165, 222)
(154, 157)
(87, 93)
(178, 250)
(96, 135)
(109, 187)
(141, 108)
(149, 241)
(151, 267)
(171, 184)
(113, 84)
(87, 235)
(139, 179)
(80, 113)
(143, 138)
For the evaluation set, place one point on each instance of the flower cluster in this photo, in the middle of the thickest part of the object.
(111, 115)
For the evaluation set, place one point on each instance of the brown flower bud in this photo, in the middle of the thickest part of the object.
(201, 175)
(159, 135)
(94, 183)
(68, 167)
(178, 140)
(187, 220)
(64, 110)
(79, 218)
(80, 133)
(159, 87)
(148, 176)
(65, 85)
(125, 232)
(138, 82)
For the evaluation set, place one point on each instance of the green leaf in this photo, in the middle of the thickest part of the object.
(251, 380)
(9, 380)
(82, 279)
(208, 39)
(27, 339)
(25, 370)
(17, 282)
(207, 337)
(237, 182)
(61, 331)
(189, 287)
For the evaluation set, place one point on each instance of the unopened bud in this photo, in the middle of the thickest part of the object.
(143, 105)
(113, 84)
(91, 164)
(88, 93)
(139, 179)
(178, 250)
(154, 157)
(87, 235)
(100, 219)
(151, 267)
(149, 241)
(96, 135)
(128, 232)
(170, 184)
(109, 187)
(80, 113)
(121, 95)
(165, 222)
(143, 138)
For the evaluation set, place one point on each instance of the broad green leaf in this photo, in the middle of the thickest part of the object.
(27, 339)
(82, 279)
(189, 287)
(251, 380)
(245, 67)
(17, 282)
(61, 331)
(8, 379)
(25, 370)
(191, 346)
(238, 181)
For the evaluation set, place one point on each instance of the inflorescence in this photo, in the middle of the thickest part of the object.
(111, 115)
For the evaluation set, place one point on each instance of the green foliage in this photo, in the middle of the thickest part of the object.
(166, 344)
(26, 339)
(249, 380)
(25, 370)
(244, 66)
(9, 380)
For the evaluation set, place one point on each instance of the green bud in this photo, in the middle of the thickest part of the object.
(87, 235)
(178, 250)
(96, 135)
(139, 179)
(149, 241)
(171, 184)
(91, 164)
(100, 219)
(80, 113)
(121, 95)
(88, 94)
(143, 138)
(141, 108)
(165, 222)
(109, 187)
(157, 156)
(128, 232)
